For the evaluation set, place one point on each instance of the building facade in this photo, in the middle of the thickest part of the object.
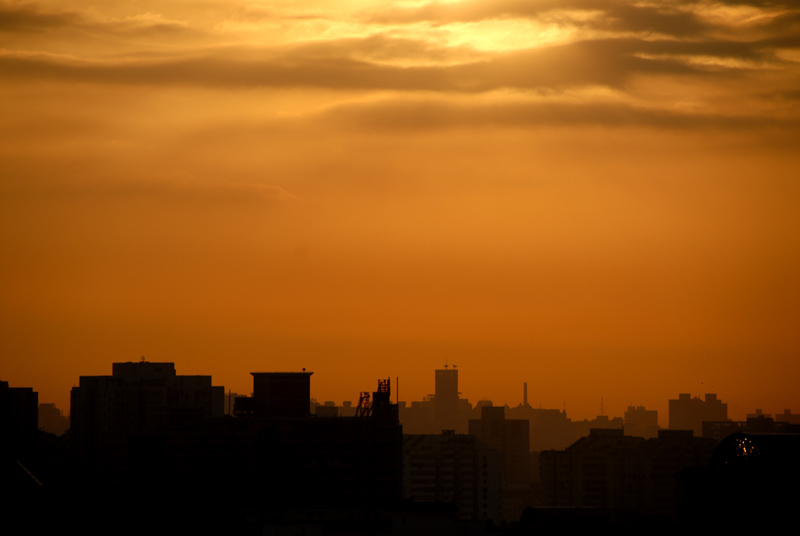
(453, 468)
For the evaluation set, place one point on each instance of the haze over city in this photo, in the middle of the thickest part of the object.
(596, 198)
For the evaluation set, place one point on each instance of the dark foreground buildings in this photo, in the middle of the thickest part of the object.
(119, 421)
(629, 477)
(153, 454)
(453, 468)
(147, 434)
(309, 459)
(749, 486)
(147, 428)
(18, 418)
(510, 438)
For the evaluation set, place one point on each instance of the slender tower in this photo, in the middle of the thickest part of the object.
(446, 399)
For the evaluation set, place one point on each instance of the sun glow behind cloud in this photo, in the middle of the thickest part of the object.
(532, 184)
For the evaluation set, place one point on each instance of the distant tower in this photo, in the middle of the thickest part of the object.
(446, 400)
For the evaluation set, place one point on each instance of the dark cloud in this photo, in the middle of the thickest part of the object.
(437, 114)
(786, 24)
(761, 3)
(673, 18)
(695, 54)
(30, 18)
(142, 186)
(605, 62)
(616, 15)
(443, 13)
(651, 15)
(632, 18)
(362, 63)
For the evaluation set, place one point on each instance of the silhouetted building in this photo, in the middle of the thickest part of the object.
(117, 421)
(18, 420)
(756, 423)
(549, 428)
(601, 422)
(788, 417)
(640, 422)
(290, 458)
(453, 468)
(277, 395)
(446, 400)
(418, 418)
(443, 410)
(347, 409)
(230, 398)
(511, 438)
(282, 394)
(758, 414)
(687, 413)
(328, 409)
(629, 477)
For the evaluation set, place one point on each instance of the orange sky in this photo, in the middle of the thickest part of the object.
(597, 197)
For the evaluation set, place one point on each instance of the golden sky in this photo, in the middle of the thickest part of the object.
(601, 198)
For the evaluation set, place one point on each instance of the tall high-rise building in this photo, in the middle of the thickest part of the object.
(446, 399)
(511, 438)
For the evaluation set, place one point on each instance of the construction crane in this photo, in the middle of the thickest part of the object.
(364, 408)
(380, 398)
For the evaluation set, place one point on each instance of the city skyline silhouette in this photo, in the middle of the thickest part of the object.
(277, 461)
(583, 212)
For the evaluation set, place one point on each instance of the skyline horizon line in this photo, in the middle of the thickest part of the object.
(321, 400)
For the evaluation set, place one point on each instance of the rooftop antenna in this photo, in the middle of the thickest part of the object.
(601, 406)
